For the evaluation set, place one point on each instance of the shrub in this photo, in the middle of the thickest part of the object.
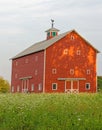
(4, 85)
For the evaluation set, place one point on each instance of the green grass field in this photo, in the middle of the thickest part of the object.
(51, 111)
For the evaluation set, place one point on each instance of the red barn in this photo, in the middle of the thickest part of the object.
(61, 63)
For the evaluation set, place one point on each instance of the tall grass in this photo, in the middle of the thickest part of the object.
(51, 112)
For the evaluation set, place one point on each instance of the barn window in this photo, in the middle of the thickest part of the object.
(65, 51)
(32, 87)
(54, 71)
(87, 86)
(12, 89)
(18, 88)
(36, 58)
(72, 37)
(71, 71)
(16, 63)
(54, 86)
(26, 60)
(48, 34)
(53, 33)
(16, 75)
(88, 71)
(40, 87)
(78, 52)
(36, 72)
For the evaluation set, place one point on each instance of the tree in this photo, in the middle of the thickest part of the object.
(4, 85)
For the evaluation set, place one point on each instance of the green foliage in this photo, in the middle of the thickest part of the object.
(50, 111)
(99, 79)
(4, 85)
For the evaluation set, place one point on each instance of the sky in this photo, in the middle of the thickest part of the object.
(24, 22)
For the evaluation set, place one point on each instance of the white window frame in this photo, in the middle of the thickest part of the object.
(16, 76)
(39, 86)
(78, 52)
(12, 89)
(88, 71)
(32, 87)
(36, 72)
(18, 88)
(65, 51)
(86, 87)
(53, 86)
(72, 71)
(16, 63)
(72, 37)
(36, 58)
(54, 71)
(26, 60)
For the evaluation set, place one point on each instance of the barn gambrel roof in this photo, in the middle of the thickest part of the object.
(45, 44)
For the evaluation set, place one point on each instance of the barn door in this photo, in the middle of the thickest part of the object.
(68, 86)
(25, 85)
(75, 87)
(71, 86)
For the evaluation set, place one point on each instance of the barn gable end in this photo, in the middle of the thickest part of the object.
(72, 65)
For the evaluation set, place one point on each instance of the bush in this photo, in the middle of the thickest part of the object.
(99, 81)
(4, 85)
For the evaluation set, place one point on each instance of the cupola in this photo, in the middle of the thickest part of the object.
(52, 31)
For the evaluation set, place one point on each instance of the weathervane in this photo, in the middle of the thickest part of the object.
(52, 22)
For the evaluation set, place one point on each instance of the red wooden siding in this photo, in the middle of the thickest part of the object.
(72, 57)
(31, 67)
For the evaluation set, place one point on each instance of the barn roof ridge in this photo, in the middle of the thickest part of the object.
(42, 45)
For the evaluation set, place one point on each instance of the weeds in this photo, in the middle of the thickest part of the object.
(50, 111)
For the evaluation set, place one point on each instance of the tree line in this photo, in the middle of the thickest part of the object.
(4, 85)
